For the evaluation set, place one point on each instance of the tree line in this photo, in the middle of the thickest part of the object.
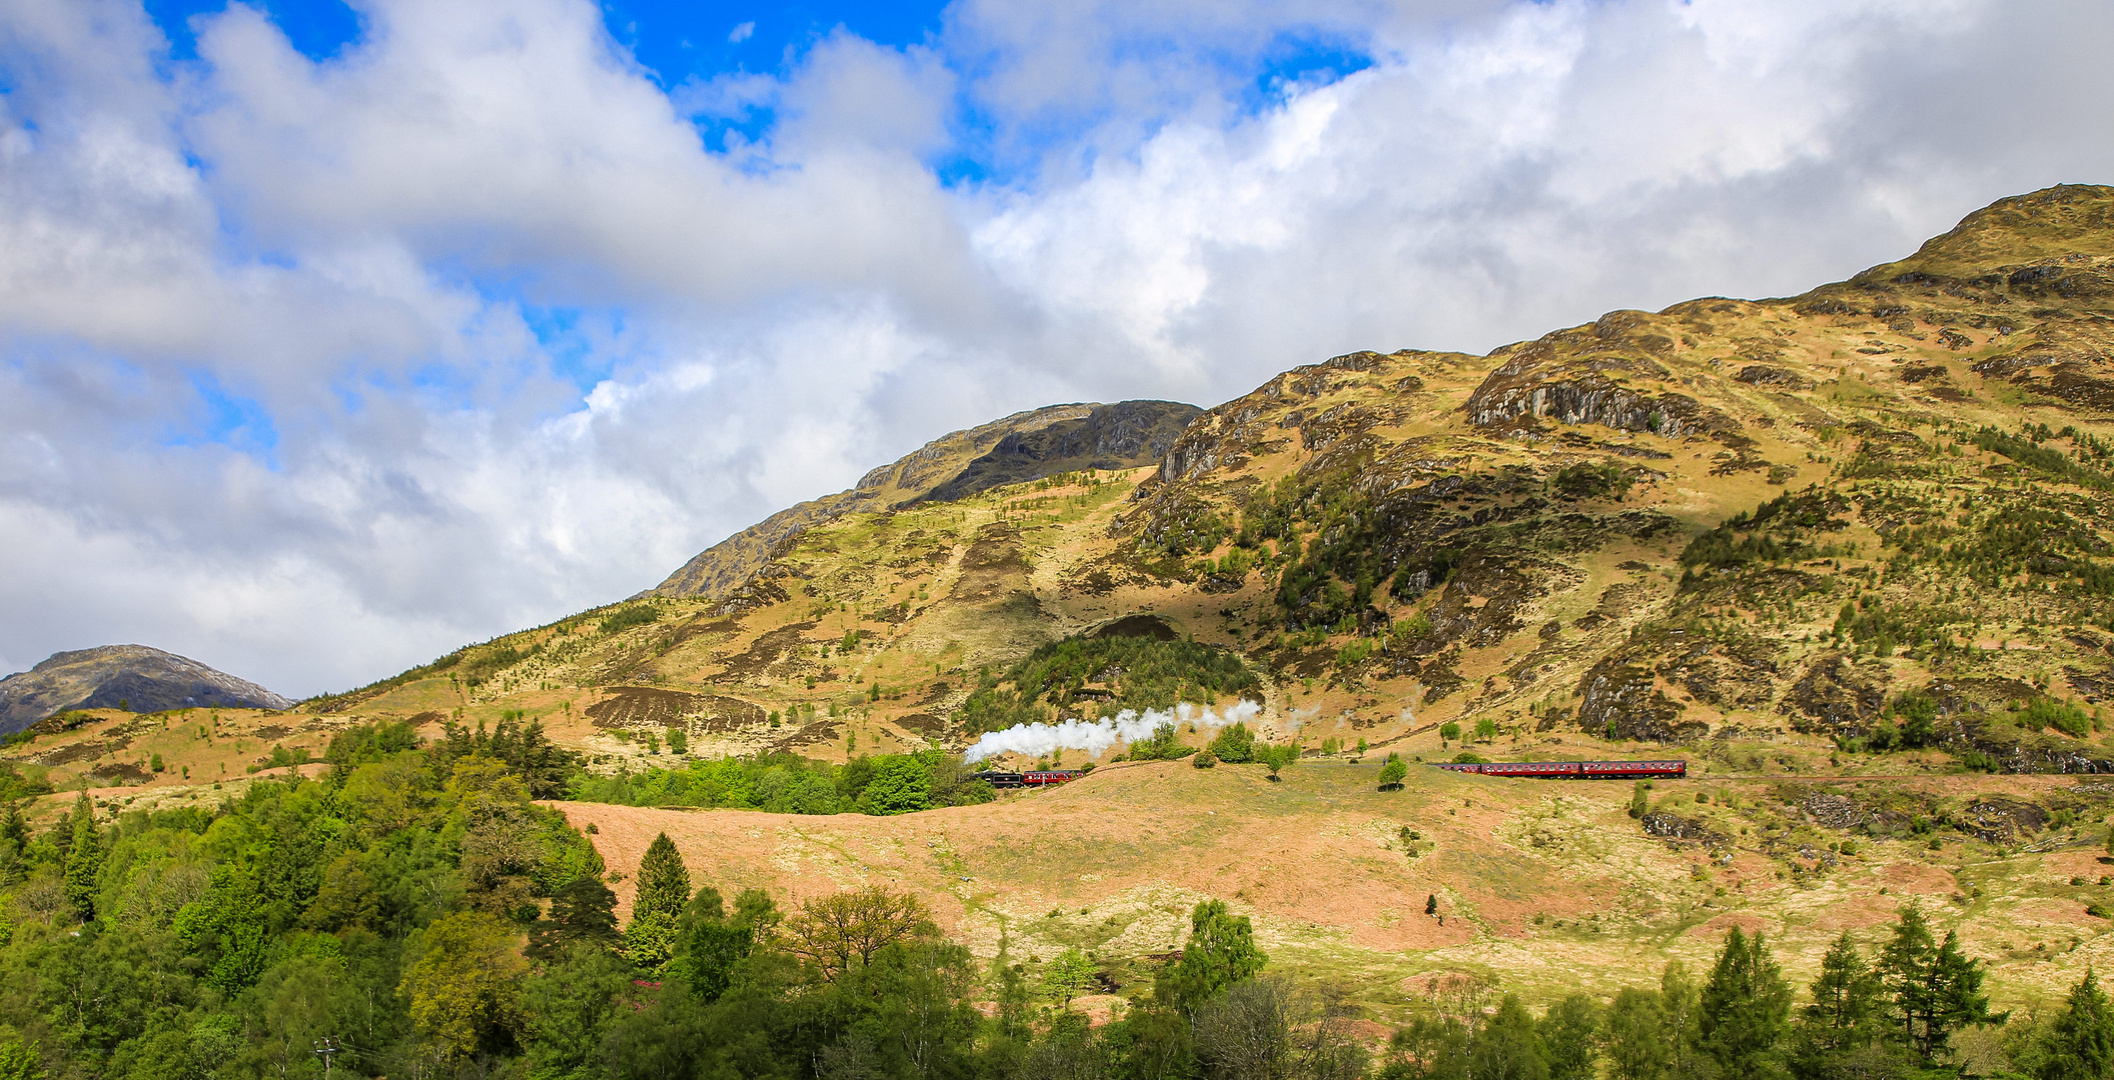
(414, 913)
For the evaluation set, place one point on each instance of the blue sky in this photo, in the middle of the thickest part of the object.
(333, 336)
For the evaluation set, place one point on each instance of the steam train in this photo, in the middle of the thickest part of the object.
(1572, 770)
(1041, 778)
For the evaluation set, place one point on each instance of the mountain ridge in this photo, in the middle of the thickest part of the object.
(138, 678)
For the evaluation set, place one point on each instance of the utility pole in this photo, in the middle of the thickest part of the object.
(327, 1048)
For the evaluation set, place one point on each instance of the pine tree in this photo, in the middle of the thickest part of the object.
(2079, 1045)
(1848, 1014)
(1936, 987)
(1905, 966)
(1743, 1008)
(663, 891)
(84, 859)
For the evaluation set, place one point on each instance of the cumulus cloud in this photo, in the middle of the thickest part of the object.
(313, 369)
(1098, 736)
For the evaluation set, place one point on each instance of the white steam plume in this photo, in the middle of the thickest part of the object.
(1095, 736)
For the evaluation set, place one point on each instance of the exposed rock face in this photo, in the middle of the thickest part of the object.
(1549, 378)
(1120, 436)
(133, 677)
(1021, 447)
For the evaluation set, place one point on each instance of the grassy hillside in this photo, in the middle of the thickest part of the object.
(1847, 552)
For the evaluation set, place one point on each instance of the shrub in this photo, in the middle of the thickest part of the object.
(1450, 731)
(1584, 481)
(2050, 713)
(1235, 745)
(1392, 773)
(1203, 760)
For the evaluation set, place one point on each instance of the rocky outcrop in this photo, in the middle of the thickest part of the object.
(132, 677)
(1120, 436)
(1591, 375)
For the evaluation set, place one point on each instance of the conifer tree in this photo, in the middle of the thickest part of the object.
(84, 859)
(2079, 1045)
(1743, 1008)
(1937, 989)
(1570, 1033)
(1848, 1013)
(663, 891)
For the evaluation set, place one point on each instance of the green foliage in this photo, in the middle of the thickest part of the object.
(1392, 772)
(624, 618)
(1164, 744)
(1204, 760)
(1450, 731)
(546, 768)
(583, 913)
(84, 859)
(901, 784)
(1466, 758)
(1744, 1007)
(663, 892)
(1234, 744)
(1848, 1014)
(1936, 988)
(463, 988)
(1067, 975)
(2044, 712)
(788, 784)
(1772, 533)
(1221, 951)
(1485, 729)
(19, 1061)
(2079, 1044)
(1570, 1034)
(2032, 455)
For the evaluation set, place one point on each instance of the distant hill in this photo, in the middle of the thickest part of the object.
(1022, 447)
(133, 677)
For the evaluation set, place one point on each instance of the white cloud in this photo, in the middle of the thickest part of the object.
(526, 338)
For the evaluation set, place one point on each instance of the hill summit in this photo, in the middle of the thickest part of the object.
(131, 677)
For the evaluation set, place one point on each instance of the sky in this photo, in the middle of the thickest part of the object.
(334, 336)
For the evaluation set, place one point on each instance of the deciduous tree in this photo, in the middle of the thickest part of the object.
(838, 931)
(464, 986)
(1221, 951)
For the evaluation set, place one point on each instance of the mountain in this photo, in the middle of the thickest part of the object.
(1024, 446)
(131, 677)
(1869, 519)
(1849, 554)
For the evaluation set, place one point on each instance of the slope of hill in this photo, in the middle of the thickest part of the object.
(132, 677)
(1024, 446)
(1539, 888)
(1874, 513)
(1851, 553)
